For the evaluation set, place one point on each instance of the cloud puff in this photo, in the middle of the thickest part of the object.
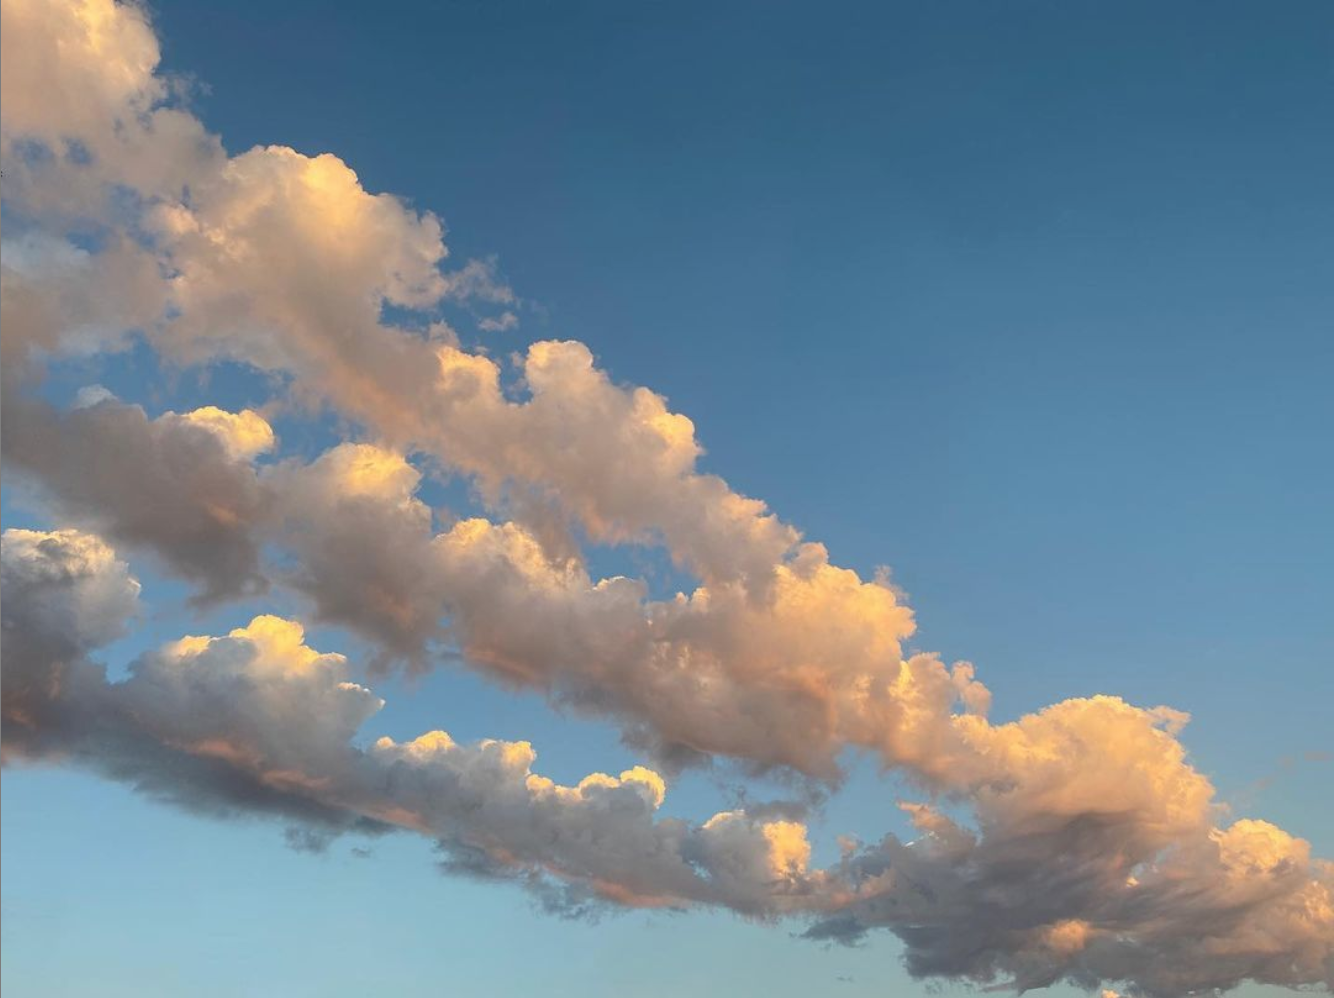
(355, 507)
(87, 119)
(504, 322)
(61, 299)
(181, 485)
(1086, 898)
(479, 280)
(62, 594)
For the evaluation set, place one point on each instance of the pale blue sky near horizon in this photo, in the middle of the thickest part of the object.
(1031, 302)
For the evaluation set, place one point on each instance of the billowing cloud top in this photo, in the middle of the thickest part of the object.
(1089, 849)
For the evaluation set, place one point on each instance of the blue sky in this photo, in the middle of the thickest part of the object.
(1030, 302)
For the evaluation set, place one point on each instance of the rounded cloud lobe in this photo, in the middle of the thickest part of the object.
(1091, 851)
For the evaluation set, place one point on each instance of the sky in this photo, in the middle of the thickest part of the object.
(1021, 311)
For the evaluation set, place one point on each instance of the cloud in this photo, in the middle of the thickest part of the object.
(789, 680)
(1076, 843)
(181, 485)
(479, 280)
(256, 720)
(61, 299)
(285, 261)
(362, 549)
(62, 594)
(1088, 899)
(504, 322)
(784, 681)
(1127, 880)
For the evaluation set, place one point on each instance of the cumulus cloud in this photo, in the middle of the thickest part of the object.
(1086, 898)
(1076, 843)
(62, 594)
(355, 508)
(788, 680)
(257, 721)
(181, 485)
(59, 298)
(1075, 867)
(285, 261)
